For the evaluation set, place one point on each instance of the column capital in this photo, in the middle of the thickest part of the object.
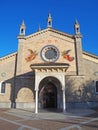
(63, 88)
(36, 89)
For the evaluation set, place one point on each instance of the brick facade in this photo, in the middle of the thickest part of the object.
(80, 71)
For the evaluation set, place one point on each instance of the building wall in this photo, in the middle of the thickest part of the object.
(37, 42)
(7, 66)
(15, 71)
(80, 90)
(24, 92)
(7, 73)
(90, 68)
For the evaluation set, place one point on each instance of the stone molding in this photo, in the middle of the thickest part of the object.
(8, 56)
(90, 57)
(51, 30)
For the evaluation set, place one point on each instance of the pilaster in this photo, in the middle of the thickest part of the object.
(21, 40)
(78, 53)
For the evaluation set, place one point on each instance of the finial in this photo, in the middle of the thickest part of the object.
(23, 23)
(49, 15)
(76, 22)
(49, 20)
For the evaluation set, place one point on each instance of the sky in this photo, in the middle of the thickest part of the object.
(35, 12)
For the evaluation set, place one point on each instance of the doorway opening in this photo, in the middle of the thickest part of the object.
(49, 96)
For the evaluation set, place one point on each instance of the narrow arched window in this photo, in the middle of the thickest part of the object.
(96, 87)
(2, 87)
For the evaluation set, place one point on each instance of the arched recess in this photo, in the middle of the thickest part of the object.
(50, 93)
(25, 95)
(40, 76)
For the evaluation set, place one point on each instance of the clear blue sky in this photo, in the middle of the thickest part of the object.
(34, 12)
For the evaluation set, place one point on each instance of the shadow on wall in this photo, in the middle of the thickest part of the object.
(22, 88)
(80, 93)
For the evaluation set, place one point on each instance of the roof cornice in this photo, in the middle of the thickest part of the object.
(46, 30)
(90, 56)
(8, 56)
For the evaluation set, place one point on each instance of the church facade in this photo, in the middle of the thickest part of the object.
(49, 70)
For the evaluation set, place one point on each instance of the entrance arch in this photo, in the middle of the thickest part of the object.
(50, 93)
(57, 70)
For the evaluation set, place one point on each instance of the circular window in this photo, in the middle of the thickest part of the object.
(49, 53)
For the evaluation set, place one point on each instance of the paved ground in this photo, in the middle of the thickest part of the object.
(18, 119)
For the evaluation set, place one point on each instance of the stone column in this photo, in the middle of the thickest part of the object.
(63, 91)
(37, 80)
(36, 101)
(64, 102)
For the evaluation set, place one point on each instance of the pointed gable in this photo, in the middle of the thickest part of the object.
(36, 46)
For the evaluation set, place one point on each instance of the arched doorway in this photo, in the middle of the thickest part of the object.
(50, 93)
